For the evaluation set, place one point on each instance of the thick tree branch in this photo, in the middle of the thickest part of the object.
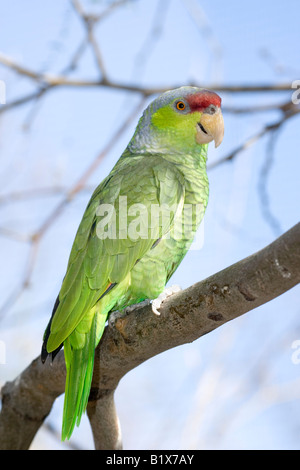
(28, 400)
(141, 335)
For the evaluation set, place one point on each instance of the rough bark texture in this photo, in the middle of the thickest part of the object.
(141, 335)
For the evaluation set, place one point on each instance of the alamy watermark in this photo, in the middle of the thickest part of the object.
(152, 221)
(2, 92)
(296, 353)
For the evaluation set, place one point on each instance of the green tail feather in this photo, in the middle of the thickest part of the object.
(80, 365)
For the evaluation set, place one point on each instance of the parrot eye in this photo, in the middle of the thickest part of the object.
(180, 105)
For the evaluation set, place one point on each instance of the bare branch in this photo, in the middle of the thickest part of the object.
(60, 80)
(141, 335)
(291, 112)
(58, 210)
(26, 194)
(202, 23)
(25, 280)
(155, 32)
(27, 401)
(89, 23)
(263, 182)
(20, 101)
(259, 108)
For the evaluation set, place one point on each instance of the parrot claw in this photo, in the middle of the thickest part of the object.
(156, 303)
(114, 316)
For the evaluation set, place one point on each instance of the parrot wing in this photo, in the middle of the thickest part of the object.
(111, 238)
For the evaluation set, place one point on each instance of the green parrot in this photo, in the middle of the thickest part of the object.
(135, 231)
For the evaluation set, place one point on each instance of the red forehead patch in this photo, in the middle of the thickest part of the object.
(200, 101)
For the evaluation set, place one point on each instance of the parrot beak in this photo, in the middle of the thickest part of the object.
(210, 127)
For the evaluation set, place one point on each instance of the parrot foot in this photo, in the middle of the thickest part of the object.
(156, 303)
(114, 316)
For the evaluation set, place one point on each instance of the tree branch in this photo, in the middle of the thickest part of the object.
(28, 400)
(35, 237)
(141, 335)
(61, 80)
(288, 112)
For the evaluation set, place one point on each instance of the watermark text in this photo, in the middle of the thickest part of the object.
(120, 221)
(296, 94)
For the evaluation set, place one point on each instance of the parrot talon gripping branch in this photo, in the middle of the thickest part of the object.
(137, 250)
(168, 292)
(115, 315)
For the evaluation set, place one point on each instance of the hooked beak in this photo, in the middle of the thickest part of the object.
(210, 127)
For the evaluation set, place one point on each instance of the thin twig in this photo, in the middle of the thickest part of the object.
(34, 193)
(25, 281)
(270, 218)
(268, 128)
(89, 24)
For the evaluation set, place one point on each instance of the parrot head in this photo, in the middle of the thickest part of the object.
(180, 119)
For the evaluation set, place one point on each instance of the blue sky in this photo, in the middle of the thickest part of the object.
(234, 388)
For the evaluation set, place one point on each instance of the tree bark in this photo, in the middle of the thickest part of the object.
(141, 335)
